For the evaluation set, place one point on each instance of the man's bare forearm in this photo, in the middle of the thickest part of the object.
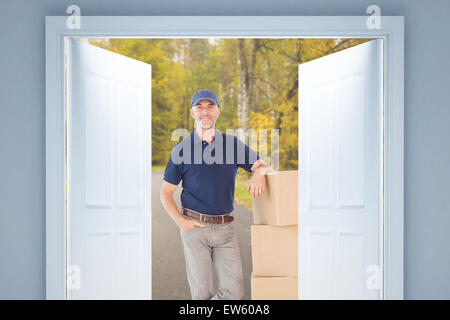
(261, 167)
(171, 207)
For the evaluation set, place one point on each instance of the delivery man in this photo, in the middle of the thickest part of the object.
(207, 161)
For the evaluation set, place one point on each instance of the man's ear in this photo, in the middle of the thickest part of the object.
(192, 114)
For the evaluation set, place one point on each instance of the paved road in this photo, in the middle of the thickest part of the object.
(168, 269)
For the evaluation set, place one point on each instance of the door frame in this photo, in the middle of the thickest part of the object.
(391, 30)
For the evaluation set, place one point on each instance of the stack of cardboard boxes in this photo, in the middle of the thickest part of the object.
(275, 238)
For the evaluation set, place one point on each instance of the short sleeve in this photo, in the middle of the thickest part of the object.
(250, 156)
(172, 174)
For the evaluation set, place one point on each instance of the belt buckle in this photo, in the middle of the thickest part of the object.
(223, 219)
(201, 220)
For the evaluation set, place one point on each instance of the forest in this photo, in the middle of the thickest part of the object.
(255, 79)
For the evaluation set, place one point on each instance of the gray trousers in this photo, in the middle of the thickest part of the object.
(215, 245)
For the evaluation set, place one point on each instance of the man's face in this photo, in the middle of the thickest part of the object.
(205, 114)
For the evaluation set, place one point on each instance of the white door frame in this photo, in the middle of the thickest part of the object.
(391, 30)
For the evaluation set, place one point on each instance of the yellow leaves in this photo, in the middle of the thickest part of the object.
(182, 66)
(258, 120)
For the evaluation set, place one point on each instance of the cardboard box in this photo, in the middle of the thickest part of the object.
(274, 250)
(278, 204)
(274, 288)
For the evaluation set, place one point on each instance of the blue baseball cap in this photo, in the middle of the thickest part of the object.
(204, 94)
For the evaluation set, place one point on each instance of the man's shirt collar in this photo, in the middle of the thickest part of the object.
(217, 137)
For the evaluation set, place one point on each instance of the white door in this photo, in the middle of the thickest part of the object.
(340, 174)
(109, 175)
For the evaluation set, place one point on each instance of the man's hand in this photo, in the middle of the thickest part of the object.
(186, 224)
(257, 184)
(166, 195)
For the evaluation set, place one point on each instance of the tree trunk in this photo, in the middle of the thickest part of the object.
(251, 73)
(246, 90)
(185, 62)
(242, 96)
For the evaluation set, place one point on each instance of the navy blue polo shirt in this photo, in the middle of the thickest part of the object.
(208, 171)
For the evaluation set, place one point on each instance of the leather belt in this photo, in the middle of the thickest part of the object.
(208, 218)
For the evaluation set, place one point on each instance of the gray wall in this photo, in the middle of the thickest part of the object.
(22, 127)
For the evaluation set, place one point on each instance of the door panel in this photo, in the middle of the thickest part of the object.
(109, 175)
(340, 172)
